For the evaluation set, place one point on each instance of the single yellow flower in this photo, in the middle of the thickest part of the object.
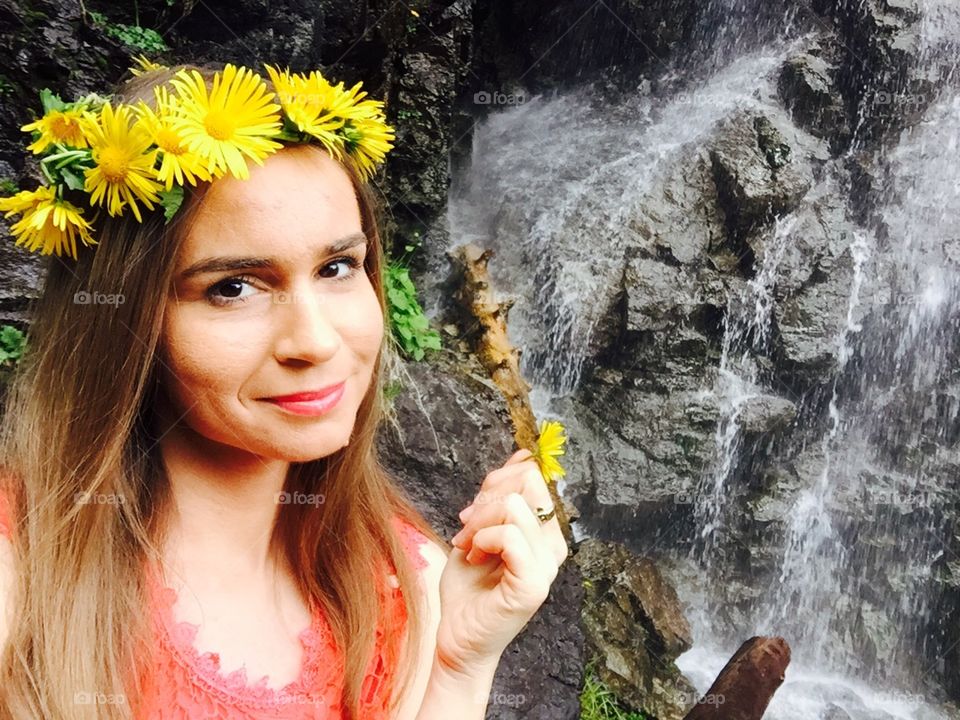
(48, 223)
(124, 173)
(368, 140)
(24, 200)
(311, 104)
(176, 161)
(237, 118)
(59, 126)
(549, 448)
(144, 65)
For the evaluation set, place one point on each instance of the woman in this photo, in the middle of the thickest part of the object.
(186, 534)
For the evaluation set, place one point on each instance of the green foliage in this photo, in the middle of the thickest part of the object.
(12, 345)
(598, 703)
(170, 201)
(8, 186)
(404, 114)
(146, 39)
(392, 389)
(409, 325)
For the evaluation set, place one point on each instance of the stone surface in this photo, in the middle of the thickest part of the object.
(635, 624)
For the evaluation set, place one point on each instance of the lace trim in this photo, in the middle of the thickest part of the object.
(204, 667)
(311, 685)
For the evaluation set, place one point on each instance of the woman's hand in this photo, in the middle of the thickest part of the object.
(501, 567)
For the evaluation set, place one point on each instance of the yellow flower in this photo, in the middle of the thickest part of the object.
(311, 103)
(549, 447)
(48, 223)
(59, 126)
(237, 118)
(368, 142)
(176, 161)
(143, 65)
(124, 173)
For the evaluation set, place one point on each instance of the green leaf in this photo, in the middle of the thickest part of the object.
(71, 179)
(50, 101)
(398, 299)
(171, 200)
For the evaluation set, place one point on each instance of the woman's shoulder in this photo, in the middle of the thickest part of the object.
(421, 549)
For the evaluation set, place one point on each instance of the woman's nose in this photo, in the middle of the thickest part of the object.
(305, 330)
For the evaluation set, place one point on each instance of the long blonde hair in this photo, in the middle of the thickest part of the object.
(79, 418)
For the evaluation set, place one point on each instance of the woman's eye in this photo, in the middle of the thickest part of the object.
(227, 292)
(351, 263)
(230, 291)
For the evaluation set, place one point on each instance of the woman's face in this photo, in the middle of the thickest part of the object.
(270, 298)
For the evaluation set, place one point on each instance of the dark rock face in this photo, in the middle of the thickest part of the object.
(808, 87)
(757, 177)
(635, 625)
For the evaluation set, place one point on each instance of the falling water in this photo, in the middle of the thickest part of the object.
(550, 189)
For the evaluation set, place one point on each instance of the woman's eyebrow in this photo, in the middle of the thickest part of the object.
(235, 262)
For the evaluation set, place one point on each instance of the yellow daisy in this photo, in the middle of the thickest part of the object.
(143, 65)
(48, 223)
(368, 140)
(59, 126)
(176, 161)
(237, 118)
(124, 173)
(549, 447)
(312, 104)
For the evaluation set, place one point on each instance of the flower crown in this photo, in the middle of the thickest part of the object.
(124, 155)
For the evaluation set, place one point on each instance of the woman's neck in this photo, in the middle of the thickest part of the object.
(223, 505)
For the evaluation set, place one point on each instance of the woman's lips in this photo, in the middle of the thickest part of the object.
(310, 403)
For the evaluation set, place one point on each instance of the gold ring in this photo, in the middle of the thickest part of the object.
(546, 516)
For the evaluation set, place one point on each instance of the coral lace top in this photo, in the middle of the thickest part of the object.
(186, 683)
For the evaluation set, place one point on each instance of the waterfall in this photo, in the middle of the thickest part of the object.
(551, 188)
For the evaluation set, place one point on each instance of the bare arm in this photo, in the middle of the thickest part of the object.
(438, 687)
(436, 559)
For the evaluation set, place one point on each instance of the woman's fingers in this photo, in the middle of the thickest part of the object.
(523, 554)
(519, 456)
(512, 508)
(520, 475)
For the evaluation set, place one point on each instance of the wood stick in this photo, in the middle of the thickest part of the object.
(498, 355)
(746, 684)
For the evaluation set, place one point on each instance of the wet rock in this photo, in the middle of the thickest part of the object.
(680, 219)
(635, 624)
(808, 88)
(889, 87)
(765, 413)
(756, 175)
